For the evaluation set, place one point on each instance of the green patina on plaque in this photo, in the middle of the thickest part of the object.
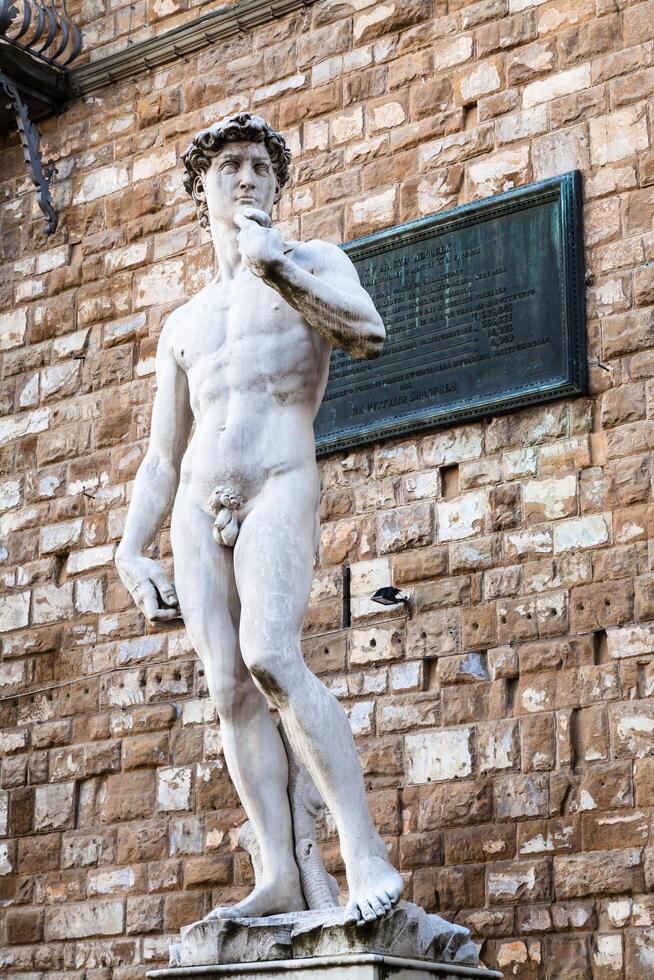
(484, 312)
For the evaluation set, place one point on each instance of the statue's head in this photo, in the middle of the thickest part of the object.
(238, 162)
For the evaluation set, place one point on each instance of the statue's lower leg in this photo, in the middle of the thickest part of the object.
(320, 734)
(261, 780)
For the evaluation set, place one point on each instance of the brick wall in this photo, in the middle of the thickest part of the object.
(521, 687)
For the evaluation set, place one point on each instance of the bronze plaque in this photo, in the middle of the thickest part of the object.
(484, 312)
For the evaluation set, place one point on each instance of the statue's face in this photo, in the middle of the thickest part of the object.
(240, 176)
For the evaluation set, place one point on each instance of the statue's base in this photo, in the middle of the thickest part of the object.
(407, 943)
(356, 966)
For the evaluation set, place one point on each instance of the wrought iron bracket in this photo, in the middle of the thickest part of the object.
(40, 173)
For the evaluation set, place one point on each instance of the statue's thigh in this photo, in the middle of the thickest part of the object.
(273, 559)
(206, 588)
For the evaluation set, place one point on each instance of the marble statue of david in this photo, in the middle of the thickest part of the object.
(247, 361)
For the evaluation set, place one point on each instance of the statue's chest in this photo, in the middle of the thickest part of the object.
(229, 324)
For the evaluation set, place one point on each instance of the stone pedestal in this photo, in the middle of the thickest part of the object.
(407, 944)
(356, 966)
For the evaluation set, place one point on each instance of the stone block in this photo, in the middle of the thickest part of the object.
(320, 938)
(462, 517)
(521, 796)
(436, 756)
(144, 914)
(84, 919)
(15, 610)
(54, 806)
(632, 729)
(518, 882)
(474, 845)
(455, 805)
(598, 873)
(127, 796)
(405, 527)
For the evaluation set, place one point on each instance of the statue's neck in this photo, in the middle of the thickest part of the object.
(225, 246)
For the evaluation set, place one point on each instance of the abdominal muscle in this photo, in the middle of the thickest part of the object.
(235, 452)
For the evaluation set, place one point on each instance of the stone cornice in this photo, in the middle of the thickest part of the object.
(217, 25)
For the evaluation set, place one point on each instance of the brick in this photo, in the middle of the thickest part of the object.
(15, 612)
(603, 831)
(631, 727)
(455, 148)
(182, 908)
(209, 870)
(455, 805)
(601, 605)
(520, 796)
(84, 919)
(499, 172)
(518, 882)
(436, 756)
(144, 914)
(598, 873)
(472, 845)
(405, 527)
(371, 646)
(53, 807)
(574, 79)
(554, 836)
(24, 926)
(127, 796)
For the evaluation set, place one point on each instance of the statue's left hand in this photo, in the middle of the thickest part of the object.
(261, 246)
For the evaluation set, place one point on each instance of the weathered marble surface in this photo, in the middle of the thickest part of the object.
(241, 370)
(407, 932)
(356, 966)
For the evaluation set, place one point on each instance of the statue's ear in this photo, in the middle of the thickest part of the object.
(278, 191)
(198, 190)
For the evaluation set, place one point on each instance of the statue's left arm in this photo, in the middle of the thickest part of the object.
(330, 298)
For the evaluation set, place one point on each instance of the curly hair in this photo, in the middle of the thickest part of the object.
(209, 142)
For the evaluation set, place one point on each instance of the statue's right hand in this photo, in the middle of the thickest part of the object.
(149, 587)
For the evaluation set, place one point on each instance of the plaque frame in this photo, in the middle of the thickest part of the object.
(565, 192)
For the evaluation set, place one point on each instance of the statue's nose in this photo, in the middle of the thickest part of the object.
(247, 177)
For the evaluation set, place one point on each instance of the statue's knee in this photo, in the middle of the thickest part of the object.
(226, 694)
(271, 677)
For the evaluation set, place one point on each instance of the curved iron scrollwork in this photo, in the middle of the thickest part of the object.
(40, 173)
(40, 27)
(38, 40)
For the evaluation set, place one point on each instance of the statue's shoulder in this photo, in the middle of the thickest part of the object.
(322, 256)
(174, 321)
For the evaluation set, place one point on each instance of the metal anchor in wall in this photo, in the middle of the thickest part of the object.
(40, 173)
(38, 41)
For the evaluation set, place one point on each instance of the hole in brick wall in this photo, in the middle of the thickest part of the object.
(450, 478)
(60, 573)
(347, 611)
(470, 116)
(601, 647)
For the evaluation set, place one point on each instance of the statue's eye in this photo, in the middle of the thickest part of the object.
(262, 168)
(230, 166)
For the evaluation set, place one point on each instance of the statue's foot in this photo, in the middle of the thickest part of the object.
(375, 887)
(273, 899)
